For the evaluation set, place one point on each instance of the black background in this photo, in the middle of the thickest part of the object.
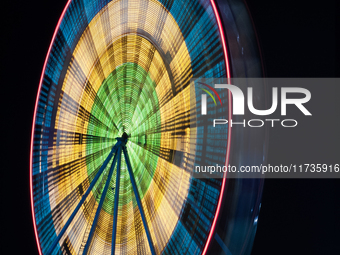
(297, 39)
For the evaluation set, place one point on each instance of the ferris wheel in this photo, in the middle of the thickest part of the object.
(113, 143)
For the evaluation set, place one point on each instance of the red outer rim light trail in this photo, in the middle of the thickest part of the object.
(213, 225)
(33, 125)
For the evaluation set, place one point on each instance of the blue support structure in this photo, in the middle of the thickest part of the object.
(117, 149)
(115, 213)
(139, 203)
(95, 179)
(94, 224)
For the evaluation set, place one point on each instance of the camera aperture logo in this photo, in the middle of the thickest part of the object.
(238, 105)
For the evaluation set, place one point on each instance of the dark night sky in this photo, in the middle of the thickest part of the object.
(297, 40)
(300, 216)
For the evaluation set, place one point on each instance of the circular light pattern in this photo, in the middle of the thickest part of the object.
(125, 66)
(142, 110)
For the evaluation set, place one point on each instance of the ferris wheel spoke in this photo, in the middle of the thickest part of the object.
(95, 179)
(115, 213)
(94, 224)
(139, 203)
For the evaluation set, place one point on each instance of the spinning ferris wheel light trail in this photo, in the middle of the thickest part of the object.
(125, 67)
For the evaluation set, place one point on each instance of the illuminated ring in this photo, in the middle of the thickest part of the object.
(95, 59)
